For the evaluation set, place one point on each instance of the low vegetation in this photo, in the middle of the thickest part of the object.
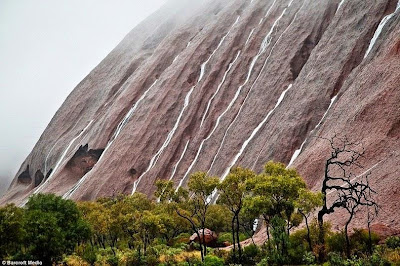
(134, 230)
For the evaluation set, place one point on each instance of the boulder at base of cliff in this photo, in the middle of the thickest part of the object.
(210, 237)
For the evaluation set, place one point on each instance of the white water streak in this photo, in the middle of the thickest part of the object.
(247, 141)
(199, 150)
(248, 38)
(269, 9)
(155, 158)
(128, 115)
(379, 29)
(204, 65)
(120, 127)
(218, 89)
(254, 133)
(360, 175)
(340, 5)
(60, 161)
(179, 161)
(266, 42)
(297, 152)
(47, 157)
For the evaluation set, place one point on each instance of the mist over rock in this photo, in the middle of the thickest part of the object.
(206, 85)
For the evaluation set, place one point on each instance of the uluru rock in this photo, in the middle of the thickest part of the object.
(207, 85)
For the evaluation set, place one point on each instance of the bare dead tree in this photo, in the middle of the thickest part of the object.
(338, 177)
(354, 196)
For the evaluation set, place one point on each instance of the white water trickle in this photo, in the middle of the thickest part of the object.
(340, 5)
(255, 224)
(47, 156)
(360, 175)
(188, 44)
(269, 9)
(264, 45)
(297, 152)
(155, 158)
(176, 167)
(248, 38)
(179, 161)
(253, 134)
(128, 115)
(176, 58)
(379, 29)
(60, 161)
(218, 88)
(204, 65)
(120, 127)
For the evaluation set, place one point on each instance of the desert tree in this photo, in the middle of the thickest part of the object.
(232, 191)
(273, 195)
(306, 204)
(193, 203)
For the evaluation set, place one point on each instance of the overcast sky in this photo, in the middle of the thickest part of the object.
(46, 48)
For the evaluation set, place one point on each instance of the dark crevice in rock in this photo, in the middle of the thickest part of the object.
(38, 177)
(132, 171)
(49, 173)
(301, 57)
(25, 177)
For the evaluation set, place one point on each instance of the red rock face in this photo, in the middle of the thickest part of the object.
(213, 84)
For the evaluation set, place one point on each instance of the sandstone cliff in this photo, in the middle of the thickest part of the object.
(206, 85)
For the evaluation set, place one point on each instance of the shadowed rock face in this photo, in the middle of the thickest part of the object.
(213, 84)
(25, 177)
(38, 177)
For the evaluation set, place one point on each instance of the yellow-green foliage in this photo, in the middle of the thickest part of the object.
(74, 260)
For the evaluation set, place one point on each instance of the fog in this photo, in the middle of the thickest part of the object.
(46, 48)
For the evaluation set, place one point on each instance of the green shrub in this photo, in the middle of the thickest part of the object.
(393, 242)
(298, 246)
(112, 260)
(152, 259)
(263, 262)
(359, 241)
(250, 254)
(87, 253)
(211, 260)
(224, 237)
(181, 239)
(309, 258)
(336, 242)
(227, 237)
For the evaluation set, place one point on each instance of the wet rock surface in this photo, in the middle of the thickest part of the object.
(230, 82)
